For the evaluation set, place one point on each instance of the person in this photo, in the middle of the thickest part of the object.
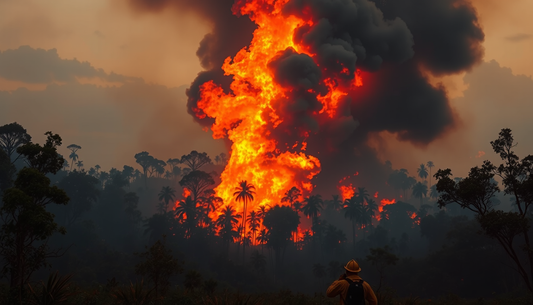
(351, 287)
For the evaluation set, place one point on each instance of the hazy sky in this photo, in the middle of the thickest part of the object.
(112, 81)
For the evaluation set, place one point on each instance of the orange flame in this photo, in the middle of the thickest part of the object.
(383, 203)
(186, 193)
(347, 191)
(247, 115)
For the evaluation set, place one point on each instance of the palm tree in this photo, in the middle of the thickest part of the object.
(253, 220)
(353, 211)
(245, 193)
(186, 210)
(433, 192)
(262, 238)
(166, 195)
(420, 190)
(291, 196)
(313, 206)
(335, 203)
(226, 223)
(422, 171)
(362, 195)
(79, 164)
(430, 165)
(73, 155)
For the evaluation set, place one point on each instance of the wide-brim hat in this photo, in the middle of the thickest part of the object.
(352, 266)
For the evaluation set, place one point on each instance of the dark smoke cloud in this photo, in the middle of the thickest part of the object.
(350, 33)
(395, 43)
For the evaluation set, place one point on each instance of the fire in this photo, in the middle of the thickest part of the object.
(383, 203)
(186, 193)
(248, 115)
(347, 192)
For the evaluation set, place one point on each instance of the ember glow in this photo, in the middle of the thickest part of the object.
(347, 191)
(250, 113)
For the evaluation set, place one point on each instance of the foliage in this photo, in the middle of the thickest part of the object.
(195, 160)
(55, 291)
(197, 182)
(27, 224)
(7, 170)
(159, 265)
(12, 136)
(476, 193)
(82, 190)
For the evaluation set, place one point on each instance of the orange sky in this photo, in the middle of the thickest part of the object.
(160, 48)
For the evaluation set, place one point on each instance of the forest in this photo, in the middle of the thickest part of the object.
(155, 232)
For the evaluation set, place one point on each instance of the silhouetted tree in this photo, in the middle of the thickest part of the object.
(353, 210)
(187, 212)
(82, 190)
(195, 160)
(313, 206)
(159, 265)
(12, 136)
(335, 203)
(476, 193)
(7, 170)
(73, 155)
(430, 165)
(26, 224)
(245, 193)
(422, 171)
(280, 222)
(166, 195)
(145, 161)
(420, 191)
(197, 182)
(227, 222)
(291, 196)
(258, 261)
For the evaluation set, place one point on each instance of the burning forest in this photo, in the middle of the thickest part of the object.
(297, 91)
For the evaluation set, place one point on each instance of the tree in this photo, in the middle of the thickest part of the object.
(430, 165)
(73, 155)
(245, 193)
(12, 136)
(291, 196)
(27, 224)
(353, 211)
(422, 171)
(197, 182)
(381, 258)
(186, 211)
(226, 223)
(362, 195)
(144, 160)
(334, 239)
(79, 164)
(400, 179)
(313, 206)
(280, 221)
(82, 189)
(195, 160)
(420, 191)
(335, 203)
(159, 265)
(166, 195)
(476, 193)
(253, 221)
(7, 170)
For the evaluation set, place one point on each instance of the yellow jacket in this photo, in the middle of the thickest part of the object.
(340, 287)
